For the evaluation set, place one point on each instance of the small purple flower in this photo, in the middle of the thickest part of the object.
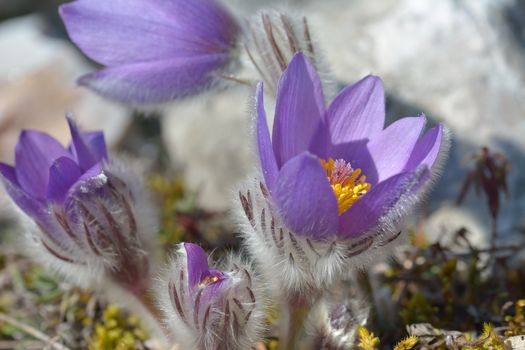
(207, 308)
(85, 214)
(154, 51)
(335, 184)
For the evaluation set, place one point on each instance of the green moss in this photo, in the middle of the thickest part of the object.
(516, 322)
(367, 339)
(418, 310)
(117, 330)
(407, 343)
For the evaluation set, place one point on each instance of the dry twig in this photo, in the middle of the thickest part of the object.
(32, 331)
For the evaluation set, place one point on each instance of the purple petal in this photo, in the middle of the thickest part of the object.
(8, 173)
(357, 112)
(96, 143)
(266, 156)
(366, 213)
(197, 262)
(31, 206)
(62, 175)
(305, 199)
(89, 148)
(427, 149)
(34, 154)
(94, 171)
(391, 149)
(124, 31)
(155, 81)
(299, 109)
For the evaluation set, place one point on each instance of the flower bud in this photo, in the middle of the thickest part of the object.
(271, 40)
(207, 308)
(333, 325)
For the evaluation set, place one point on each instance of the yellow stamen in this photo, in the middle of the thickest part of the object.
(347, 183)
(207, 281)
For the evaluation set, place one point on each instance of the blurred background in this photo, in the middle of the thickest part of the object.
(460, 62)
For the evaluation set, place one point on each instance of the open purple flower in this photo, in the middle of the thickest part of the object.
(207, 308)
(86, 214)
(334, 170)
(335, 183)
(154, 51)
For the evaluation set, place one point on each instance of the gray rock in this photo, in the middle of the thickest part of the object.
(209, 139)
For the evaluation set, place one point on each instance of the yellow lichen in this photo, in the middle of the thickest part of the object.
(117, 331)
(407, 343)
(367, 339)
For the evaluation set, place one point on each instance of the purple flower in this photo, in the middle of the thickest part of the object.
(335, 186)
(333, 170)
(207, 308)
(86, 215)
(45, 170)
(154, 51)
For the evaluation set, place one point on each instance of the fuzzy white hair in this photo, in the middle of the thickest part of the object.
(332, 323)
(298, 265)
(87, 251)
(233, 319)
(272, 37)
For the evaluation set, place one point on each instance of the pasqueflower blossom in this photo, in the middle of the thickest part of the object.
(207, 308)
(86, 216)
(153, 51)
(335, 183)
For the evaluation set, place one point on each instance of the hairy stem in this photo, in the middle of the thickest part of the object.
(291, 325)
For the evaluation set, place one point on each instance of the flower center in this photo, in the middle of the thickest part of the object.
(206, 281)
(348, 183)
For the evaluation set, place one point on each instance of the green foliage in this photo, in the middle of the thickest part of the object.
(70, 316)
(516, 322)
(488, 340)
(169, 193)
(417, 310)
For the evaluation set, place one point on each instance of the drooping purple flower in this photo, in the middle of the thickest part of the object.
(86, 213)
(335, 183)
(153, 51)
(207, 308)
